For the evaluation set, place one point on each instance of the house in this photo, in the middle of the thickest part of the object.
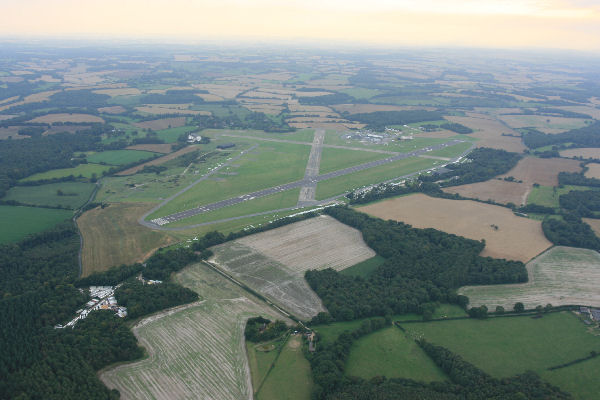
(595, 314)
(194, 138)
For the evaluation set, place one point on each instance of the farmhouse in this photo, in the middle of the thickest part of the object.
(194, 138)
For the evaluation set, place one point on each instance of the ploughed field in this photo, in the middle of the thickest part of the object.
(506, 235)
(274, 262)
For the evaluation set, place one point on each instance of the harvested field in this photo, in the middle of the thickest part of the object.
(369, 108)
(585, 152)
(490, 131)
(65, 128)
(163, 123)
(516, 238)
(119, 92)
(156, 148)
(11, 131)
(499, 191)
(75, 118)
(196, 351)
(112, 236)
(593, 170)
(544, 171)
(170, 109)
(594, 223)
(543, 123)
(591, 111)
(274, 262)
(224, 91)
(562, 275)
(157, 161)
(112, 110)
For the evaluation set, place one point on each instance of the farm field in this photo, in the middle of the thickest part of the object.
(543, 123)
(498, 190)
(112, 236)
(341, 184)
(85, 170)
(543, 171)
(593, 170)
(75, 118)
(452, 151)
(159, 160)
(333, 159)
(162, 123)
(516, 238)
(489, 131)
(560, 276)
(494, 346)
(274, 262)
(74, 194)
(290, 378)
(277, 201)
(155, 148)
(120, 157)
(267, 165)
(390, 353)
(27, 220)
(594, 223)
(364, 268)
(548, 196)
(196, 351)
(301, 135)
(584, 152)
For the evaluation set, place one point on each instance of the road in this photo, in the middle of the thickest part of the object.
(158, 222)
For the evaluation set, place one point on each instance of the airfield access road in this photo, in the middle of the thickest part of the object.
(158, 222)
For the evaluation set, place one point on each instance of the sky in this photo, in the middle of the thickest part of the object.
(561, 24)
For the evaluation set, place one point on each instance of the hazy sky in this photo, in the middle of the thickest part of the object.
(496, 23)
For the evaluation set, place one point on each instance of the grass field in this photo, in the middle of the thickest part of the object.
(112, 236)
(544, 123)
(170, 135)
(333, 159)
(120, 157)
(27, 220)
(390, 353)
(260, 361)
(548, 195)
(268, 165)
(336, 186)
(504, 347)
(274, 262)
(290, 378)
(562, 275)
(581, 380)
(301, 135)
(276, 201)
(195, 352)
(85, 170)
(335, 138)
(516, 238)
(451, 151)
(498, 190)
(365, 268)
(74, 194)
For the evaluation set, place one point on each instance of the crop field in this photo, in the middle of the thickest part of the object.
(85, 170)
(268, 165)
(333, 159)
(392, 354)
(66, 194)
(27, 220)
(119, 157)
(593, 170)
(112, 110)
(274, 262)
(163, 123)
(365, 268)
(338, 185)
(548, 196)
(515, 238)
(543, 171)
(594, 223)
(504, 347)
(546, 124)
(112, 236)
(585, 152)
(154, 148)
(277, 201)
(76, 118)
(290, 378)
(560, 276)
(159, 160)
(498, 190)
(490, 131)
(196, 351)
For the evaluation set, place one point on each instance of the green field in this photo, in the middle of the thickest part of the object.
(405, 146)
(290, 378)
(301, 135)
(172, 134)
(27, 220)
(268, 165)
(74, 194)
(120, 157)
(507, 346)
(390, 353)
(276, 201)
(260, 361)
(84, 170)
(548, 195)
(361, 93)
(365, 268)
(333, 159)
(451, 151)
(581, 380)
(336, 186)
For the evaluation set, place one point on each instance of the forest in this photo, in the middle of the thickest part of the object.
(570, 231)
(588, 136)
(423, 266)
(582, 202)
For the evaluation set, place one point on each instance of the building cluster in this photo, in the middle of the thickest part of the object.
(591, 313)
(102, 298)
(194, 138)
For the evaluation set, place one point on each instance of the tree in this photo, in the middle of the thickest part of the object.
(499, 310)
(519, 307)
